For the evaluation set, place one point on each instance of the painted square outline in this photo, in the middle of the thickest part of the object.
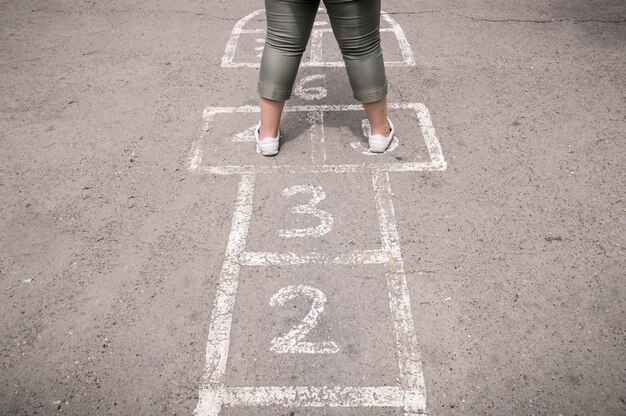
(436, 162)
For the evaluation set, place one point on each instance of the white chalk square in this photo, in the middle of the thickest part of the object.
(356, 317)
(229, 140)
(315, 138)
(343, 221)
(346, 143)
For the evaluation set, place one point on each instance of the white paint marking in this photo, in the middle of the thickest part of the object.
(307, 108)
(316, 138)
(231, 46)
(218, 340)
(291, 342)
(403, 43)
(311, 93)
(195, 157)
(348, 168)
(314, 396)
(326, 220)
(317, 52)
(411, 374)
(428, 131)
(252, 32)
(358, 257)
(197, 152)
(320, 23)
(248, 135)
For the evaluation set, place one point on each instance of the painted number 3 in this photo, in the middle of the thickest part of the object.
(292, 342)
(326, 220)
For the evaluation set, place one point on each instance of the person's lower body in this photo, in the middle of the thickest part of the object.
(356, 25)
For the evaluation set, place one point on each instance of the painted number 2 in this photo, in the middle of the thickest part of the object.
(326, 220)
(291, 342)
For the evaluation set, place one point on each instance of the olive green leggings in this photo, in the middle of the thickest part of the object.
(356, 25)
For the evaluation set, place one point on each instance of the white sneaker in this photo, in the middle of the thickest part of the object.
(269, 145)
(379, 143)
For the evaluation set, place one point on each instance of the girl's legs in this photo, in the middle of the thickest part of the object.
(289, 26)
(377, 115)
(356, 26)
(271, 111)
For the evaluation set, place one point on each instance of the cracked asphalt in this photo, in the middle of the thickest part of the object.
(111, 250)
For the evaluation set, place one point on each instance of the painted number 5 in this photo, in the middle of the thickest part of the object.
(292, 342)
(326, 220)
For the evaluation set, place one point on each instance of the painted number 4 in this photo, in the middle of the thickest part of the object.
(291, 342)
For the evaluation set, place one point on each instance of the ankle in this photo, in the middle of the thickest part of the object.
(265, 133)
(382, 129)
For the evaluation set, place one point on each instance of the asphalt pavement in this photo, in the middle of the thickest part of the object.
(151, 262)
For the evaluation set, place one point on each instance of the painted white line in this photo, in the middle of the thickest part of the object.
(211, 111)
(252, 31)
(314, 396)
(403, 43)
(348, 168)
(317, 54)
(218, 340)
(316, 138)
(195, 156)
(247, 135)
(231, 46)
(358, 257)
(409, 360)
(428, 131)
(197, 152)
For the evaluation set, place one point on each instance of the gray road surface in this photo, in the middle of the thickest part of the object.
(112, 250)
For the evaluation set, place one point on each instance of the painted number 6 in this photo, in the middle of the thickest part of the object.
(310, 93)
(292, 342)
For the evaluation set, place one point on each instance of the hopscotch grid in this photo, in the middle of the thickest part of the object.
(410, 395)
(316, 44)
